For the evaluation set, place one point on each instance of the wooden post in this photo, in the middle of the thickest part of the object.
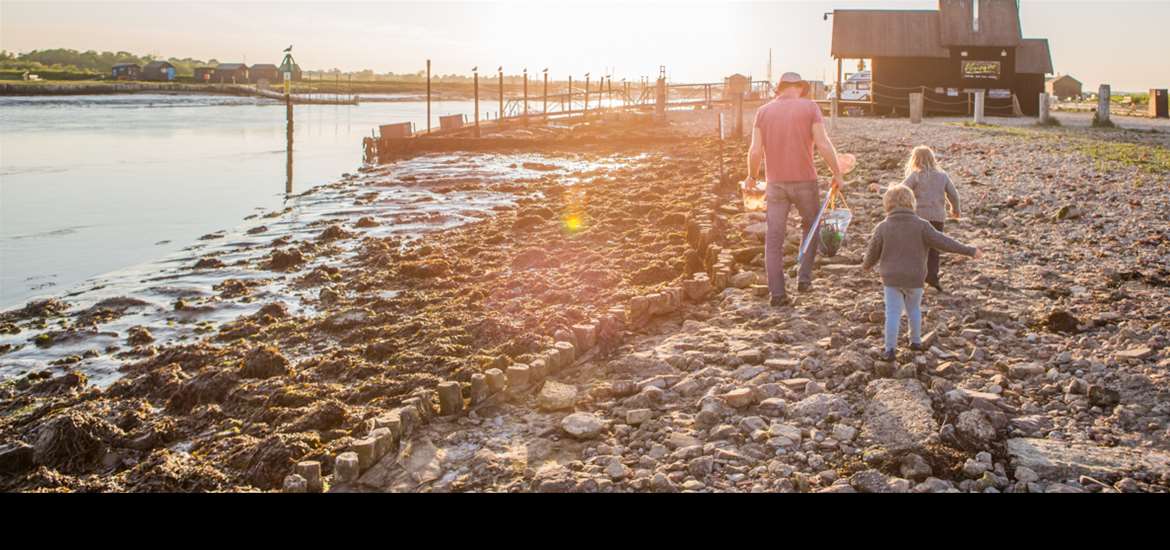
(660, 97)
(836, 99)
(500, 113)
(916, 104)
(475, 75)
(1043, 113)
(739, 115)
(288, 169)
(980, 101)
(526, 96)
(428, 96)
(1104, 102)
(585, 109)
(546, 94)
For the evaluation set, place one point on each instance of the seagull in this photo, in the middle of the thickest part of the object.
(288, 49)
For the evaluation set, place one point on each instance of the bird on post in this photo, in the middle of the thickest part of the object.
(288, 49)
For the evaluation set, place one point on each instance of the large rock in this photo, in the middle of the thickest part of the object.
(1059, 460)
(555, 396)
(873, 481)
(820, 406)
(582, 425)
(974, 429)
(899, 416)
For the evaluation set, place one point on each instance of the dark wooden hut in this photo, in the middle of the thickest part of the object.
(964, 46)
(295, 70)
(231, 73)
(126, 71)
(264, 71)
(160, 71)
(204, 75)
(1064, 86)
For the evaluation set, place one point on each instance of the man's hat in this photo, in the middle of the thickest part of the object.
(794, 79)
(791, 78)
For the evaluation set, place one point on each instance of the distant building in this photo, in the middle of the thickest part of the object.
(963, 47)
(204, 75)
(264, 71)
(296, 72)
(231, 73)
(1063, 87)
(126, 71)
(160, 71)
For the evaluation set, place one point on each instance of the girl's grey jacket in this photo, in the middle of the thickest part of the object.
(900, 244)
(932, 189)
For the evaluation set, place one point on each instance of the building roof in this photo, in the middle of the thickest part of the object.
(264, 66)
(116, 65)
(886, 33)
(1033, 56)
(230, 66)
(156, 64)
(1061, 77)
(999, 23)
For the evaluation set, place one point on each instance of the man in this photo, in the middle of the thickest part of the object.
(784, 134)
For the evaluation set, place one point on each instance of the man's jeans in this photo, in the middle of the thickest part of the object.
(781, 196)
(897, 301)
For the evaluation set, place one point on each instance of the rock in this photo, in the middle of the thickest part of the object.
(138, 336)
(974, 430)
(915, 467)
(820, 406)
(1059, 320)
(616, 470)
(873, 481)
(744, 279)
(346, 468)
(555, 396)
(773, 406)
(786, 435)
(975, 468)
(899, 416)
(739, 398)
(701, 467)
(934, 485)
(1135, 354)
(1101, 396)
(636, 417)
(662, 484)
(1025, 474)
(265, 362)
(582, 425)
(310, 470)
(751, 356)
(15, 458)
(1052, 459)
(1025, 370)
(844, 433)
(294, 483)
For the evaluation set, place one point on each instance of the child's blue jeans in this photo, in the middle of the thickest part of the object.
(897, 301)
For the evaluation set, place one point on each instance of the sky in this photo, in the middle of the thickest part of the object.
(1121, 42)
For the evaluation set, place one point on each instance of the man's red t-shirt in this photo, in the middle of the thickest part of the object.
(786, 128)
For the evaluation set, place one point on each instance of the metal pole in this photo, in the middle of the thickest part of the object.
(428, 96)
(288, 116)
(570, 96)
(546, 94)
(475, 74)
(526, 96)
(836, 98)
(500, 113)
(585, 109)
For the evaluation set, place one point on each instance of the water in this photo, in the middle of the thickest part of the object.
(93, 184)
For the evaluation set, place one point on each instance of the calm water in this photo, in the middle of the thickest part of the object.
(92, 184)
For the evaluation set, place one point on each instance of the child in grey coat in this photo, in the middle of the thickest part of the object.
(933, 189)
(899, 246)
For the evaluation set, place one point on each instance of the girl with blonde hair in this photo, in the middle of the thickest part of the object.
(933, 189)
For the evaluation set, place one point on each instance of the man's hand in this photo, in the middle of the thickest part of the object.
(838, 182)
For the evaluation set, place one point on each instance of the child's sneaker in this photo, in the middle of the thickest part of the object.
(916, 347)
(888, 356)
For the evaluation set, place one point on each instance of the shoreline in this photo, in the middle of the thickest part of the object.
(388, 319)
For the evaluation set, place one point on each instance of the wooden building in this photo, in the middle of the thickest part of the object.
(204, 75)
(231, 73)
(1063, 87)
(947, 54)
(159, 71)
(126, 71)
(264, 71)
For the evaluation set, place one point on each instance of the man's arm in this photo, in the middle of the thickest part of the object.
(755, 155)
(828, 152)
